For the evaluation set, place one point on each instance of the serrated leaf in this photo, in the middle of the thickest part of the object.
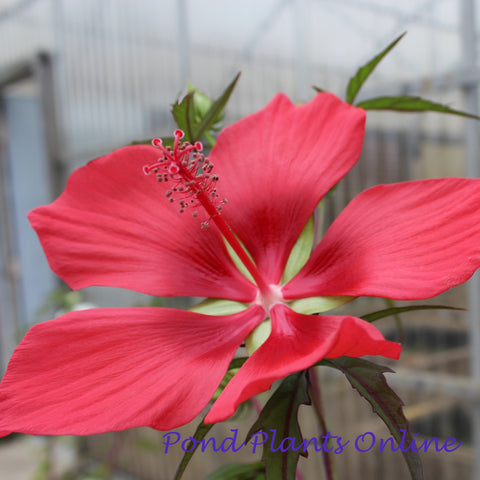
(279, 416)
(200, 433)
(368, 379)
(300, 252)
(406, 103)
(215, 111)
(371, 317)
(364, 72)
(184, 114)
(238, 471)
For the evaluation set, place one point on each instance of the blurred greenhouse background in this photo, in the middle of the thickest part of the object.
(79, 78)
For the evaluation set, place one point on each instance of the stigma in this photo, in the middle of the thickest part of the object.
(189, 172)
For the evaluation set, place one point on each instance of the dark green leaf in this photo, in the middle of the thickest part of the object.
(410, 104)
(279, 418)
(215, 111)
(238, 471)
(368, 379)
(184, 114)
(318, 89)
(364, 72)
(199, 434)
(371, 317)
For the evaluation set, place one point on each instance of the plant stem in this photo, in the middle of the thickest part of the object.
(318, 407)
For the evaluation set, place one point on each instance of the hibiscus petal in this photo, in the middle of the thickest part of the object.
(104, 370)
(405, 241)
(297, 342)
(113, 226)
(277, 164)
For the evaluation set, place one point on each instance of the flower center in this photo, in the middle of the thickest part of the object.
(259, 335)
(272, 297)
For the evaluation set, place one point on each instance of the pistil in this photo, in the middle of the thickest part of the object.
(190, 171)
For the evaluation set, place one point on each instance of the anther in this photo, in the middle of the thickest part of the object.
(186, 166)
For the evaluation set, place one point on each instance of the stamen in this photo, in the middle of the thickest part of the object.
(189, 169)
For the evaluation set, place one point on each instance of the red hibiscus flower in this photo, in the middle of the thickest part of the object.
(114, 368)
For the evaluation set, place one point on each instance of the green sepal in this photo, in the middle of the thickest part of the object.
(371, 317)
(237, 262)
(364, 72)
(218, 306)
(258, 336)
(406, 103)
(239, 471)
(280, 414)
(368, 379)
(300, 252)
(311, 305)
(200, 433)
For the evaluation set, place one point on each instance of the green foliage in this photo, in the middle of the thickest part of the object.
(280, 414)
(198, 116)
(239, 471)
(406, 103)
(184, 114)
(364, 72)
(371, 317)
(200, 433)
(368, 379)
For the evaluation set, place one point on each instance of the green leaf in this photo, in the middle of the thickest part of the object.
(238, 471)
(215, 111)
(184, 114)
(300, 252)
(233, 368)
(218, 306)
(318, 89)
(364, 72)
(280, 415)
(406, 103)
(371, 317)
(311, 305)
(368, 379)
(200, 433)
